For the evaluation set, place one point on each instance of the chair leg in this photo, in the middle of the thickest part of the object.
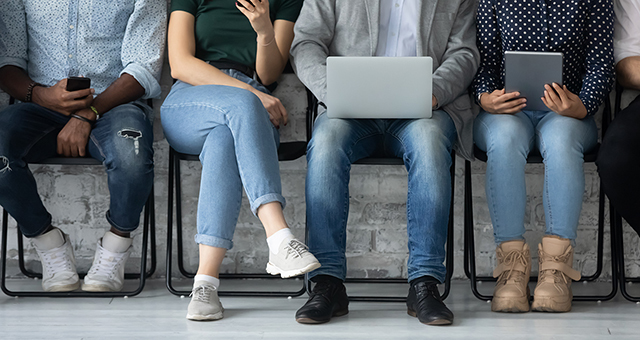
(619, 255)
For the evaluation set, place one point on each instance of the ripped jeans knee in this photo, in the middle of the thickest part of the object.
(4, 164)
(132, 134)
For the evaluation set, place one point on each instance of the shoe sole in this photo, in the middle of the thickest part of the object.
(550, 305)
(98, 288)
(438, 322)
(510, 305)
(64, 288)
(208, 317)
(274, 270)
(309, 321)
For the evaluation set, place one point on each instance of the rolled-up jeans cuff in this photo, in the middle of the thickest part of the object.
(438, 274)
(335, 272)
(268, 198)
(119, 227)
(213, 241)
(40, 231)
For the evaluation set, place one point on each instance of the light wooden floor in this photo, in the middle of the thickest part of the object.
(159, 315)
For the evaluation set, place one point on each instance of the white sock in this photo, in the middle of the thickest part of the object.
(206, 278)
(115, 243)
(276, 239)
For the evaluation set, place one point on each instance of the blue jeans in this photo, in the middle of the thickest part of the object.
(424, 145)
(230, 129)
(122, 140)
(562, 142)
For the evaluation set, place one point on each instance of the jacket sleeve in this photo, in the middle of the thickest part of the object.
(314, 31)
(461, 57)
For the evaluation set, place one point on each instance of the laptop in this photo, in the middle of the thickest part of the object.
(379, 87)
(528, 72)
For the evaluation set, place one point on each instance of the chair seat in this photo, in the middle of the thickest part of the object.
(535, 157)
(287, 151)
(69, 161)
(380, 161)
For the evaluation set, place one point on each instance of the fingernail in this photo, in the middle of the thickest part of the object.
(93, 91)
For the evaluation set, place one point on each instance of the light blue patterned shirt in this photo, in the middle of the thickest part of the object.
(99, 39)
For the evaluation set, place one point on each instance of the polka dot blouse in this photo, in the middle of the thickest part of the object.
(581, 29)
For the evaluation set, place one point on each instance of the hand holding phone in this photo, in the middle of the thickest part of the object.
(78, 83)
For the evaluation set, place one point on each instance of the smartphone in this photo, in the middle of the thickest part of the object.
(78, 83)
(249, 1)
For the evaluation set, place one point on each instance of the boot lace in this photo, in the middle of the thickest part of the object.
(296, 248)
(56, 260)
(557, 277)
(202, 293)
(512, 259)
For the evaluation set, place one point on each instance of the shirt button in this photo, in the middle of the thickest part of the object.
(397, 5)
(71, 26)
(70, 55)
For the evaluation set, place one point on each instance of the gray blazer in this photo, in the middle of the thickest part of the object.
(350, 28)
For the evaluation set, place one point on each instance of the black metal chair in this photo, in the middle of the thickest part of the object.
(617, 226)
(312, 111)
(288, 151)
(469, 242)
(148, 233)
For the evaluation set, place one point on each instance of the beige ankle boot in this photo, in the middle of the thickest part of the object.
(514, 268)
(553, 291)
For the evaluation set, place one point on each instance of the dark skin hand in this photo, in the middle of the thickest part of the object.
(73, 138)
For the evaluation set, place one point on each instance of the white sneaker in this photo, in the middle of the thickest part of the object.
(293, 258)
(205, 304)
(107, 271)
(58, 263)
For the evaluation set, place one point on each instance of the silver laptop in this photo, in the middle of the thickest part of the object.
(528, 72)
(379, 87)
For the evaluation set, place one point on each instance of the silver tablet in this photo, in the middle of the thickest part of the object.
(528, 72)
(379, 87)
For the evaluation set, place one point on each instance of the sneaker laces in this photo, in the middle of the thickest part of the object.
(56, 260)
(512, 259)
(296, 248)
(106, 266)
(202, 293)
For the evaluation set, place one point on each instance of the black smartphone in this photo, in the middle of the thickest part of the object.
(78, 83)
(249, 1)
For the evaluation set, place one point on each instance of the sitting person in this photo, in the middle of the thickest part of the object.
(119, 46)
(508, 132)
(218, 111)
(618, 158)
(443, 30)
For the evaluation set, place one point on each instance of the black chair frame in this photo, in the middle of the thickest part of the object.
(147, 234)
(287, 151)
(312, 111)
(616, 220)
(469, 232)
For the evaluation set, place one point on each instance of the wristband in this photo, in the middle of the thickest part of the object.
(84, 119)
(95, 111)
(27, 98)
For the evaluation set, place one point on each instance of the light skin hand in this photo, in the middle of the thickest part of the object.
(434, 102)
(257, 11)
(58, 99)
(277, 113)
(561, 101)
(499, 102)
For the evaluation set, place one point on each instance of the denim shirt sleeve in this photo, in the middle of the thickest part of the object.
(13, 32)
(599, 77)
(143, 44)
(489, 76)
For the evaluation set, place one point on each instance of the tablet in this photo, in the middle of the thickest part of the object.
(528, 72)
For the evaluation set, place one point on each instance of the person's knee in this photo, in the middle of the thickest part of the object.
(505, 135)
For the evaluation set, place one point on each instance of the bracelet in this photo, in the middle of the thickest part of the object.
(95, 111)
(84, 119)
(270, 42)
(27, 98)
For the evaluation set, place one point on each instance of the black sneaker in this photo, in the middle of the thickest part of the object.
(328, 299)
(424, 302)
